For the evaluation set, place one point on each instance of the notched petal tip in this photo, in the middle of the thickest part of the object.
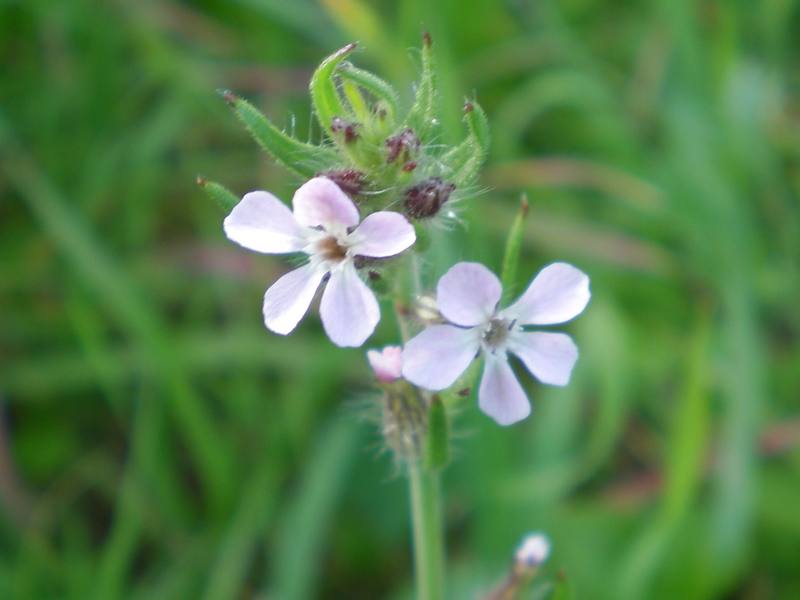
(500, 395)
(468, 294)
(319, 201)
(558, 293)
(383, 234)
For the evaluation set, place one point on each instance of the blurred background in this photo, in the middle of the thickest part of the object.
(157, 442)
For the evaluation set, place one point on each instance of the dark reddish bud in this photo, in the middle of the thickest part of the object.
(468, 107)
(409, 166)
(464, 392)
(426, 39)
(403, 144)
(350, 181)
(374, 276)
(346, 128)
(427, 197)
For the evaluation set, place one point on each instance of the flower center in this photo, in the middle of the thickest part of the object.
(496, 333)
(331, 250)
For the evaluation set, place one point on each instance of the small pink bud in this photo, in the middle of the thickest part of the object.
(386, 364)
(533, 551)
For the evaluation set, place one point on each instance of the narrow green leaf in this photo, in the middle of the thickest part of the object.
(374, 85)
(466, 159)
(437, 450)
(301, 158)
(324, 95)
(218, 193)
(513, 245)
(423, 116)
(356, 101)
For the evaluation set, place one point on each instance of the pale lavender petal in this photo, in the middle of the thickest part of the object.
(436, 357)
(319, 201)
(288, 299)
(349, 309)
(263, 223)
(387, 364)
(382, 234)
(468, 294)
(500, 395)
(557, 294)
(548, 356)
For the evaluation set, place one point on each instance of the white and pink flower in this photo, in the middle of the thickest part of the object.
(468, 296)
(324, 224)
(387, 364)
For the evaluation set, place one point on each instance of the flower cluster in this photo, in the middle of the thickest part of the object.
(380, 178)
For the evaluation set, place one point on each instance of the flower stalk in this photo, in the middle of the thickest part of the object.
(362, 222)
(427, 529)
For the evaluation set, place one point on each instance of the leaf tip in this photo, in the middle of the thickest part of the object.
(427, 41)
(524, 205)
(228, 96)
(201, 181)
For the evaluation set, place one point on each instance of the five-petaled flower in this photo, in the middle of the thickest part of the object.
(324, 224)
(468, 296)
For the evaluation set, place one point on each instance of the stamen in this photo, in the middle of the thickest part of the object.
(497, 333)
(330, 249)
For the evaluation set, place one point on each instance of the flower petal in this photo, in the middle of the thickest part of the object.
(382, 234)
(387, 364)
(263, 223)
(468, 294)
(557, 294)
(349, 309)
(287, 300)
(500, 395)
(319, 201)
(548, 356)
(436, 357)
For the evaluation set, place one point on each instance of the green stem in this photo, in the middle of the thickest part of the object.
(426, 517)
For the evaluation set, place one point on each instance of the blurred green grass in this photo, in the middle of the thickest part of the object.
(157, 442)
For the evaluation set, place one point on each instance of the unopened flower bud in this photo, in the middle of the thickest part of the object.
(350, 181)
(426, 198)
(405, 421)
(347, 129)
(386, 364)
(533, 551)
(403, 145)
(427, 310)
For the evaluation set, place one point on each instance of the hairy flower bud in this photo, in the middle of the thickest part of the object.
(403, 145)
(347, 129)
(405, 421)
(350, 181)
(426, 198)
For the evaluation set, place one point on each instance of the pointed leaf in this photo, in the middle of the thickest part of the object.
(466, 159)
(324, 95)
(373, 84)
(513, 245)
(218, 193)
(422, 117)
(301, 158)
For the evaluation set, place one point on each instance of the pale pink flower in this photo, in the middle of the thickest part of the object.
(324, 224)
(468, 296)
(387, 363)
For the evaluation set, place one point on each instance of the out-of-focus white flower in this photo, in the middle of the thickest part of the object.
(324, 224)
(533, 551)
(468, 296)
(387, 363)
